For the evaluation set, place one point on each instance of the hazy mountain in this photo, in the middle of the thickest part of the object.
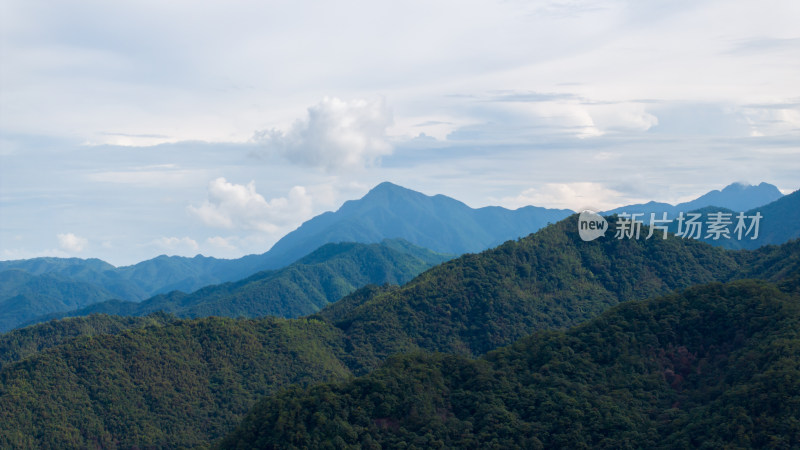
(715, 366)
(779, 222)
(324, 276)
(737, 197)
(187, 382)
(24, 296)
(439, 223)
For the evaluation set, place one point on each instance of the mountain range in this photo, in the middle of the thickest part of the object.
(322, 277)
(176, 382)
(56, 285)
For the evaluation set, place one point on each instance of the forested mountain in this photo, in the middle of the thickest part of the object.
(188, 381)
(548, 280)
(324, 276)
(159, 386)
(715, 366)
(21, 343)
(24, 296)
(387, 211)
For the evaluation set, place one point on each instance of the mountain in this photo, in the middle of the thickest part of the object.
(551, 279)
(736, 197)
(715, 366)
(24, 296)
(160, 386)
(21, 343)
(439, 223)
(777, 223)
(388, 211)
(94, 271)
(323, 277)
(188, 382)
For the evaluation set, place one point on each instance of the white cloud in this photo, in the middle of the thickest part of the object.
(574, 196)
(177, 245)
(237, 206)
(336, 135)
(222, 243)
(71, 243)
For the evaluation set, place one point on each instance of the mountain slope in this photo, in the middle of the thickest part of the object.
(324, 276)
(21, 343)
(736, 197)
(439, 223)
(168, 377)
(548, 280)
(183, 383)
(714, 366)
(24, 296)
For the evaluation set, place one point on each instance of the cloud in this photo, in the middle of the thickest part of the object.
(71, 243)
(178, 245)
(237, 206)
(575, 196)
(222, 243)
(336, 135)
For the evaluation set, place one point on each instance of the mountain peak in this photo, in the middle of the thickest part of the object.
(737, 196)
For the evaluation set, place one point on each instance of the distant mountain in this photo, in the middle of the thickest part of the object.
(439, 223)
(388, 211)
(188, 382)
(737, 197)
(779, 222)
(323, 277)
(24, 296)
(715, 366)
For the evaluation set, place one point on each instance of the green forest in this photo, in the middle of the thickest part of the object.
(545, 341)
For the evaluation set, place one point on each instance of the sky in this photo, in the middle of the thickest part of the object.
(130, 129)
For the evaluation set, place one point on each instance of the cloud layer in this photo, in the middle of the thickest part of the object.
(236, 206)
(337, 134)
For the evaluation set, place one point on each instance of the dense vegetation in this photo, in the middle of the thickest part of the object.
(551, 279)
(715, 366)
(24, 296)
(160, 385)
(21, 343)
(187, 382)
(324, 276)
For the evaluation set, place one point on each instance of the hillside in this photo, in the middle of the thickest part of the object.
(324, 276)
(736, 197)
(551, 279)
(24, 296)
(467, 306)
(183, 383)
(439, 223)
(21, 343)
(714, 366)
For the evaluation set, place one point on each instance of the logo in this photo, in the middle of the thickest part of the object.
(591, 225)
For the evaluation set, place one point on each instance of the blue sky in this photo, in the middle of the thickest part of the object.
(132, 129)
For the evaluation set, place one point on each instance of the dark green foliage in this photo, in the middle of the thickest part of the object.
(324, 276)
(18, 344)
(715, 366)
(185, 383)
(551, 279)
(24, 296)
(467, 306)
